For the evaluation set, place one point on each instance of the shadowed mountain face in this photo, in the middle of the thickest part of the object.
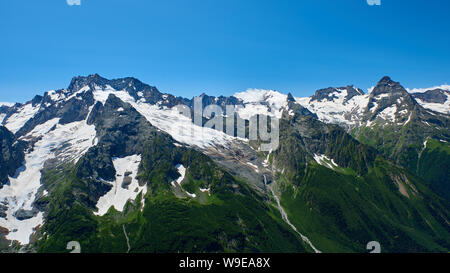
(111, 164)
(329, 93)
(11, 155)
(439, 96)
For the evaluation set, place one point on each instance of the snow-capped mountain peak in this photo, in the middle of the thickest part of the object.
(342, 105)
(390, 102)
(260, 101)
(343, 94)
(434, 98)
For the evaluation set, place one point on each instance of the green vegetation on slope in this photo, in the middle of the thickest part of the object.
(233, 220)
(342, 212)
(434, 166)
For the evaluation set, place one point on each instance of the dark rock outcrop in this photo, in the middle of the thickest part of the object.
(11, 155)
(329, 93)
(433, 96)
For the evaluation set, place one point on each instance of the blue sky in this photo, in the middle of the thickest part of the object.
(187, 47)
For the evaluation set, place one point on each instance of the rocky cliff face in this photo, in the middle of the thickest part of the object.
(11, 155)
(439, 96)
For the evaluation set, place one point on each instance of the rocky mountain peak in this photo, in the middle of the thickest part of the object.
(134, 87)
(387, 86)
(290, 98)
(331, 93)
(79, 82)
(386, 80)
(390, 101)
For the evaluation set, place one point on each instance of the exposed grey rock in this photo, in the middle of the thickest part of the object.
(3, 209)
(133, 86)
(433, 96)
(388, 93)
(11, 155)
(327, 93)
(22, 214)
(126, 182)
(74, 109)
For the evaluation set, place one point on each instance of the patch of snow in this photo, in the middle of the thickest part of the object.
(18, 120)
(423, 149)
(437, 107)
(266, 161)
(303, 101)
(423, 90)
(250, 110)
(381, 96)
(409, 119)
(374, 107)
(263, 102)
(192, 195)
(42, 129)
(389, 113)
(65, 142)
(8, 104)
(56, 96)
(82, 90)
(208, 190)
(182, 171)
(117, 197)
(338, 110)
(403, 112)
(102, 94)
(21, 230)
(323, 160)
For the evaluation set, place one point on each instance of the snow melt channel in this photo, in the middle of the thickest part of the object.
(286, 218)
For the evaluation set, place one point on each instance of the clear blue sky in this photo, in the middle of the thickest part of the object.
(186, 47)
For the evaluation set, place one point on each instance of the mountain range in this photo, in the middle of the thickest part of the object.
(115, 166)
